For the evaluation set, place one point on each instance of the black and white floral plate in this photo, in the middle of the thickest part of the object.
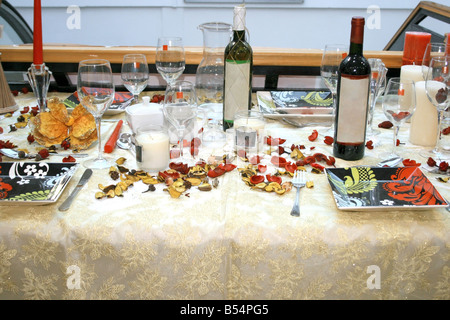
(33, 183)
(374, 188)
(296, 104)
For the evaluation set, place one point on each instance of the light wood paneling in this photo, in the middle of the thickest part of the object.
(261, 57)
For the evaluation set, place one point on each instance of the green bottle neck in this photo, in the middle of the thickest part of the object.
(239, 35)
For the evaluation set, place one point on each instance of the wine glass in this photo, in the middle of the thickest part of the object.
(135, 74)
(377, 85)
(399, 104)
(213, 135)
(180, 109)
(333, 54)
(433, 49)
(170, 58)
(95, 88)
(437, 87)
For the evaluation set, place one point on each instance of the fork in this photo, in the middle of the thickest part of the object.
(298, 181)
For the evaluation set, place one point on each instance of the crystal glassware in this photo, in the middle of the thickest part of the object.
(95, 88)
(433, 50)
(333, 54)
(170, 58)
(437, 87)
(377, 85)
(213, 135)
(134, 74)
(399, 104)
(180, 109)
(39, 78)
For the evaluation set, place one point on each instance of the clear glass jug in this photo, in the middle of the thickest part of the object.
(209, 76)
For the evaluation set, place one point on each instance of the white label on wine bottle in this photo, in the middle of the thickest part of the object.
(352, 114)
(236, 90)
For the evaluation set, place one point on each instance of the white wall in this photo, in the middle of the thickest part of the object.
(310, 24)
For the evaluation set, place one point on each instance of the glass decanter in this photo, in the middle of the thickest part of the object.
(209, 77)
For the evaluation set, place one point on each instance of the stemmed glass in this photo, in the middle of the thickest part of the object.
(170, 58)
(333, 54)
(377, 85)
(180, 109)
(95, 88)
(433, 50)
(437, 87)
(399, 104)
(135, 74)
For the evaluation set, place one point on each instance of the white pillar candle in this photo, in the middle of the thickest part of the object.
(424, 122)
(154, 149)
(411, 72)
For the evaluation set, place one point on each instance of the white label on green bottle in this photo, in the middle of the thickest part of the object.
(236, 90)
(352, 114)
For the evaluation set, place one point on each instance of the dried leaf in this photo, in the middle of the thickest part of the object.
(100, 195)
(121, 161)
(205, 187)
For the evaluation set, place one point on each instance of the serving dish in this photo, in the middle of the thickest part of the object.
(374, 188)
(296, 104)
(33, 183)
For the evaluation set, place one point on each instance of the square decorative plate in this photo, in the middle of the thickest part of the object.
(121, 101)
(374, 188)
(296, 104)
(33, 183)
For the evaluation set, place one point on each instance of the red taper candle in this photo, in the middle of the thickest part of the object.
(111, 143)
(37, 34)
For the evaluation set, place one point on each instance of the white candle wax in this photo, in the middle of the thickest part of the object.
(155, 151)
(411, 72)
(424, 128)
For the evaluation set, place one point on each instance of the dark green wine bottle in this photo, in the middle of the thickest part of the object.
(238, 66)
(352, 98)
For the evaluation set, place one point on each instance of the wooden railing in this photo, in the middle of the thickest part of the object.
(262, 56)
(268, 62)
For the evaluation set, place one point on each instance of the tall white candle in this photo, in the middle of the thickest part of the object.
(155, 149)
(411, 72)
(424, 122)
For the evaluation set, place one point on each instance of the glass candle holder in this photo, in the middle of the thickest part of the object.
(249, 131)
(39, 78)
(152, 148)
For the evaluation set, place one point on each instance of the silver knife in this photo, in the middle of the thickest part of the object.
(84, 178)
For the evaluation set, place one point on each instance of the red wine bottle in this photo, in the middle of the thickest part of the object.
(352, 98)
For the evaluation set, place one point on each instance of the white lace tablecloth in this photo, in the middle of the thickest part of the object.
(229, 243)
